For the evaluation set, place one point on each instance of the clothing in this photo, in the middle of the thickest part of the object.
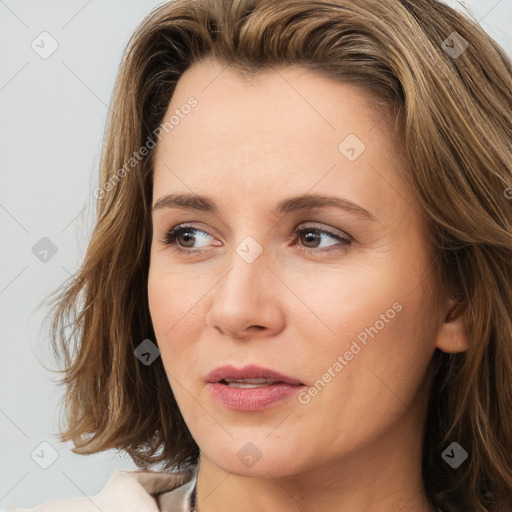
(133, 491)
(180, 499)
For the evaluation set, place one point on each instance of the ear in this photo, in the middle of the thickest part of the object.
(451, 336)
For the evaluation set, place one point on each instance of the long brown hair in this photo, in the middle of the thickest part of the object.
(453, 109)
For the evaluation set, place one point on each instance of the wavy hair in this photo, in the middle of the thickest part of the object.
(453, 112)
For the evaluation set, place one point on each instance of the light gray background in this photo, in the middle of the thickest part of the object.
(52, 118)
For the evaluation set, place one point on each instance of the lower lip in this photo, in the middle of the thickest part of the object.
(252, 399)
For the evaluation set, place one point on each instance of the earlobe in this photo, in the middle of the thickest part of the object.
(452, 337)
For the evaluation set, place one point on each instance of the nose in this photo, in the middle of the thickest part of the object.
(247, 300)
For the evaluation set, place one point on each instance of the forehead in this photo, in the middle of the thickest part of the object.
(291, 99)
(285, 130)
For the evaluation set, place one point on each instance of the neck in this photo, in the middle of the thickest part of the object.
(384, 476)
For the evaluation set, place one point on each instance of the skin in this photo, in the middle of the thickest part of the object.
(356, 445)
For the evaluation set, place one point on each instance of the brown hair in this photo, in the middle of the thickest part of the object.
(454, 117)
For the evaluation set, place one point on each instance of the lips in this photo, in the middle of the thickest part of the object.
(250, 376)
(251, 388)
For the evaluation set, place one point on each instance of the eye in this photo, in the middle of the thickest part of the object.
(183, 237)
(189, 237)
(313, 235)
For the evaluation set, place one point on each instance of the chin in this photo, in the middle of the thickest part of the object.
(260, 458)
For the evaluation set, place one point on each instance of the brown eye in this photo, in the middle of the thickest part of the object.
(312, 238)
(183, 238)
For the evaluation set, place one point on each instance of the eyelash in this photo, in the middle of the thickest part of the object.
(172, 234)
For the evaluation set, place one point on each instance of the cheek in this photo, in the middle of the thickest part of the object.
(385, 344)
(176, 316)
(376, 314)
(168, 297)
(341, 302)
(159, 299)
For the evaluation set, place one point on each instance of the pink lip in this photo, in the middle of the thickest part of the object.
(251, 399)
(249, 372)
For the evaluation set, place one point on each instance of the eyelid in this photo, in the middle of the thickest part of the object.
(318, 227)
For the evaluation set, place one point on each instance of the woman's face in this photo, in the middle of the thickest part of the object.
(351, 322)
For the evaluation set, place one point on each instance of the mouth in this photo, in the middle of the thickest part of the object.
(250, 376)
(249, 383)
(252, 388)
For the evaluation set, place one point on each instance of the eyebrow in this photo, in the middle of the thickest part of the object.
(196, 202)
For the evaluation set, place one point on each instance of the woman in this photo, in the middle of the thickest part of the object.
(368, 371)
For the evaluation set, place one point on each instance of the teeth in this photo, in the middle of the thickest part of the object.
(249, 383)
(261, 380)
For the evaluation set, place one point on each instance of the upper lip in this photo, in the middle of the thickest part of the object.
(249, 372)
